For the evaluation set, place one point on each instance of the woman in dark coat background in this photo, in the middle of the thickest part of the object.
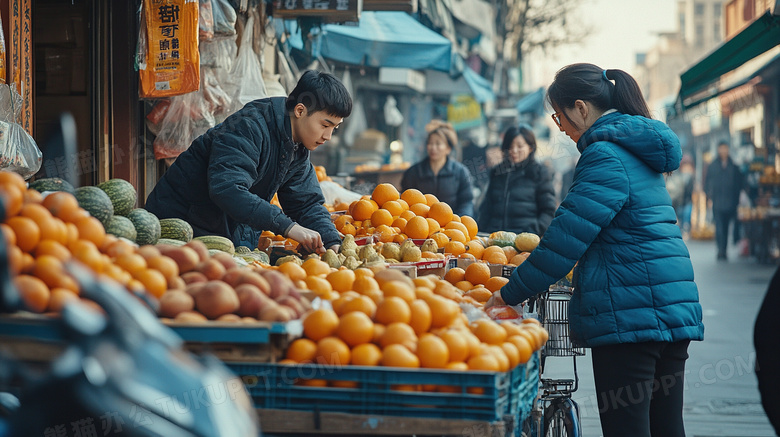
(439, 174)
(520, 196)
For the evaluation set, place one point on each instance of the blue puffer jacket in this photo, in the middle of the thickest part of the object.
(634, 281)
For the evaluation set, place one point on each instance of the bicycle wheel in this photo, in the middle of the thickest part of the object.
(561, 419)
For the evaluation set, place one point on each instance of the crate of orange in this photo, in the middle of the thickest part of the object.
(392, 391)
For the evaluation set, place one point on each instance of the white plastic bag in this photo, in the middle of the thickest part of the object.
(188, 117)
(246, 76)
(18, 151)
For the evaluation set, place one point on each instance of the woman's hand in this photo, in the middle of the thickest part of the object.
(310, 240)
(495, 300)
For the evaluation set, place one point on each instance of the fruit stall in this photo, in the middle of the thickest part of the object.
(387, 336)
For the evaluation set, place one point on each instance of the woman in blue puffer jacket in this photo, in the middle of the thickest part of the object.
(635, 302)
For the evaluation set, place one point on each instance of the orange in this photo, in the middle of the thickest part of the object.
(15, 259)
(381, 217)
(433, 226)
(457, 345)
(532, 321)
(440, 239)
(339, 302)
(495, 283)
(375, 295)
(430, 199)
(413, 196)
(454, 275)
(349, 229)
(342, 220)
(153, 281)
(385, 233)
(396, 355)
(33, 291)
(404, 205)
(420, 209)
(509, 251)
(399, 333)
(384, 193)
(455, 218)
(459, 226)
(61, 204)
(363, 272)
(320, 286)
(428, 281)
(8, 235)
(394, 207)
(494, 255)
(477, 273)
(456, 235)
(421, 316)
(131, 262)
(503, 360)
(364, 283)
(43, 218)
(320, 323)
(49, 269)
(355, 328)
(312, 382)
(480, 294)
(293, 271)
(510, 327)
(464, 285)
(399, 223)
(363, 210)
(91, 229)
(524, 348)
(12, 198)
(393, 309)
(475, 248)
(53, 248)
(315, 267)
(443, 311)
(11, 178)
(471, 225)
(441, 212)
(399, 289)
(519, 258)
(32, 196)
(417, 228)
(512, 353)
(379, 331)
(432, 352)
(87, 253)
(333, 350)
(530, 337)
(60, 297)
(302, 350)
(489, 331)
(362, 304)
(407, 215)
(341, 280)
(165, 265)
(117, 247)
(484, 362)
(367, 354)
(27, 232)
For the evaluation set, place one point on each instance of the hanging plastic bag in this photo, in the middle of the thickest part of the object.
(246, 76)
(224, 18)
(18, 151)
(188, 117)
(171, 64)
(205, 20)
(216, 97)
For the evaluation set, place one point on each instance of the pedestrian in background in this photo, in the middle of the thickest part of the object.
(635, 302)
(520, 196)
(439, 174)
(722, 185)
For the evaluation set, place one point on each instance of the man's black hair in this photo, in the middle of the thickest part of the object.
(320, 91)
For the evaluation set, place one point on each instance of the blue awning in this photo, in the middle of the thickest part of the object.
(532, 102)
(480, 87)
(381, 39)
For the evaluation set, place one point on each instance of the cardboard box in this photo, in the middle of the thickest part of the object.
(502, 270)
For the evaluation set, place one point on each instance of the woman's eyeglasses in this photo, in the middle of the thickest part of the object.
(557, 119)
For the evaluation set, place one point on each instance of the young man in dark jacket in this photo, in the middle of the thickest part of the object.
(723, 185)
(223, 184)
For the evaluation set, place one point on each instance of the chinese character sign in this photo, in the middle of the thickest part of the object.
(172, 64)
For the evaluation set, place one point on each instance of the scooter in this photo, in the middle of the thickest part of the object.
(122, 373)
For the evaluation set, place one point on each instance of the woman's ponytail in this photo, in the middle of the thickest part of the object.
(626, 95)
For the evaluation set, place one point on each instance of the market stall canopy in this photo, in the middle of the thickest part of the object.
(381, 39)
(759, 37)
(469, 82)
(532, 102)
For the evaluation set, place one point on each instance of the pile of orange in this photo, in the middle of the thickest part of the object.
(394, 217)
(42, 234)
(387, 319)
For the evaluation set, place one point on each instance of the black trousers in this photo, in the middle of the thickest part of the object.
(722, 221)
(639, 387)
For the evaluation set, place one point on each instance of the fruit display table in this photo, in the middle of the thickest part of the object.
(763, 234)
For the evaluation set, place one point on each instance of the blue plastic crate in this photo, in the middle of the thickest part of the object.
(273, 386)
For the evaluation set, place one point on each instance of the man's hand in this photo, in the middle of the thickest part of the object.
(495, 300)
(310, 240)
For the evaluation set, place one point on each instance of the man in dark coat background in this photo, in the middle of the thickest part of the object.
(223, 184)
(723, 185)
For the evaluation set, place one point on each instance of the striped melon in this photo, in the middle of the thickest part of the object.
(120, 226)
(52, 184)
(175, 229)
(218, 243)
(146, 225)
(122, 194)
(96, 202)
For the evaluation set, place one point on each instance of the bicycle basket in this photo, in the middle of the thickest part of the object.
(554, 315)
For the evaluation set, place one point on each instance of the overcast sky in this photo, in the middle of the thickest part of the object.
(621, 29)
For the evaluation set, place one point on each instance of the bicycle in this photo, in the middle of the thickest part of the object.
(555, 413)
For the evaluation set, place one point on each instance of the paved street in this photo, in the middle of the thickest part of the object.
(721, 398)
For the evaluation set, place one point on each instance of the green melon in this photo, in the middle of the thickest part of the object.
(52, 184)
(96, 202)
(120, 226)
(175, 229)
(122, 194)
(147, 225)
